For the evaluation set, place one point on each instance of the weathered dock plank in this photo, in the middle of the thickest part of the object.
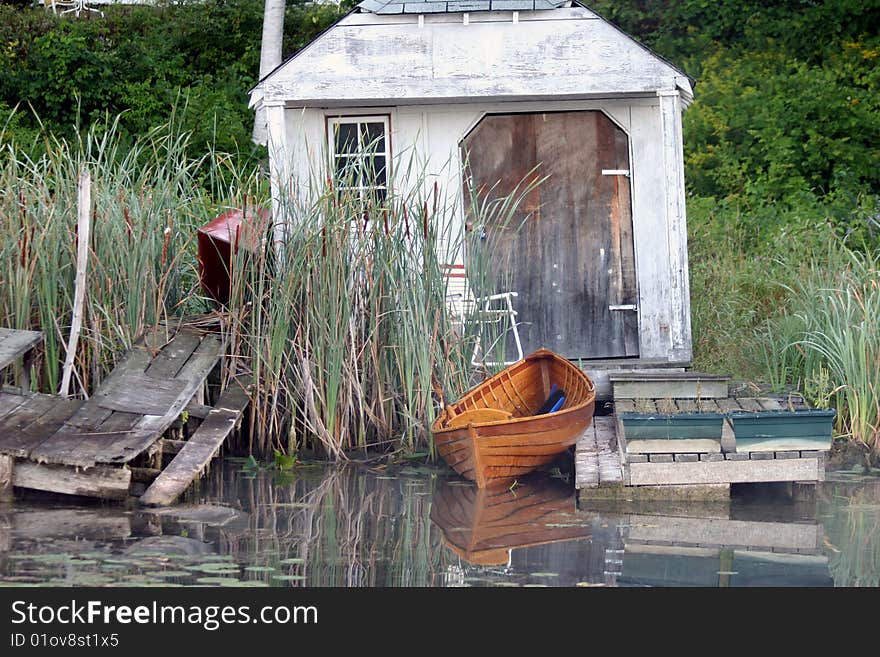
(136, 392)
(728, 438)
(728, 405)
(39, 417)
(130, 411)
(9, 402)
(100, 481)
(193, 374)
(168, 363)
(13, 424)
(610, 472)
(14, 344)
(750, 404)
(198, 451)
(678, 385)
(586, 458)
(727, 471)
(672, 446)
(6, 474)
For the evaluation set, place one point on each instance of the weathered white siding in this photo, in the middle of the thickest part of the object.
(432, 134)
(436, 76)
(373, 60)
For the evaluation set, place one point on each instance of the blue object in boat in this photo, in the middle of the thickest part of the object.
(555, 395)
(558, 404)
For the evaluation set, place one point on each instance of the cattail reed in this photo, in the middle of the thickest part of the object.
(337, 304)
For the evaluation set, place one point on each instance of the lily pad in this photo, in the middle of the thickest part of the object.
(217, 580)
(254, 583)
(165, 574)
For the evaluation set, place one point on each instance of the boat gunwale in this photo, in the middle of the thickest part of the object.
(537, 355)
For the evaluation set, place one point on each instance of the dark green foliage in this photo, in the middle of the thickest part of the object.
(781, 151)
(202, 57)
(787, 94)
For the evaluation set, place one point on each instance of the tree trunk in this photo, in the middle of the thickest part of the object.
(270, 57)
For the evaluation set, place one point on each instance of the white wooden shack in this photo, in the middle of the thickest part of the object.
(601, 264)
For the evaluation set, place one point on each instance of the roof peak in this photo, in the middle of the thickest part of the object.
(456, 6)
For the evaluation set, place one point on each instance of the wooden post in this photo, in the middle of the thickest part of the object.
(27, 366)
(6, 465)
(676, 224)
(84, 202)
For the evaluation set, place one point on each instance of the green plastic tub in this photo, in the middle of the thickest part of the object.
(808, 429)
(672, 426)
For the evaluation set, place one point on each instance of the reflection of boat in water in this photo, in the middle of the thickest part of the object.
(481, 525)
(516, 421)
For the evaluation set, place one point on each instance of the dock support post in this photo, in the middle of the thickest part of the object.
(6, 465)
(803, 491)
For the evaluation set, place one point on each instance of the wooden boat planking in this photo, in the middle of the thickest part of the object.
(482, 525)
(491, 435)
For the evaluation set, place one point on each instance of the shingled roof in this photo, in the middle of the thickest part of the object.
(452, 6)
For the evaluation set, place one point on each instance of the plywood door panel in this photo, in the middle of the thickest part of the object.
(572, 255)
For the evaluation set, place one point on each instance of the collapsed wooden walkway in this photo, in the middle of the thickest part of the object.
(93, 447)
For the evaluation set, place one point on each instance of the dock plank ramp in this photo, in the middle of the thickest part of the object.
(134, 406)
(88, 447)
(597, 462)
(202, 446)
(14, 344)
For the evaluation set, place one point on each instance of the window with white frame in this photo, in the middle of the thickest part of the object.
(360, 151)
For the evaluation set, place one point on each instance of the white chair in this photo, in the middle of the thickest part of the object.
(76, 6)
(493, 309)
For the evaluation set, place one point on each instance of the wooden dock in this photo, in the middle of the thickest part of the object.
(93, 447)
(19, 345)
(608, 466)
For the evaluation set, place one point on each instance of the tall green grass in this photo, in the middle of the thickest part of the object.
(146, 205)
(800, 310)
(838, 308)
(338, 308)
(343, 316)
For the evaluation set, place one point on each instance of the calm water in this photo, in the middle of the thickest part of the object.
(414, 526)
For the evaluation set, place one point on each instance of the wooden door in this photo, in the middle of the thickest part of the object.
(569, 251)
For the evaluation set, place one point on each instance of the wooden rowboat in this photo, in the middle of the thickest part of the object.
(495, 433)
(482, 525)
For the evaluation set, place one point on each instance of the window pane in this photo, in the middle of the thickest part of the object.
(342, 170)
(376, 195)
(346, 137)
(378, 174)
(373, 135)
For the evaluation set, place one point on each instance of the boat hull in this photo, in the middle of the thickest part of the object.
(482, 525)
(495, 452)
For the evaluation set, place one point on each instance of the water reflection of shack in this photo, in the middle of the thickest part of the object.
(482, 526)
(712, 546)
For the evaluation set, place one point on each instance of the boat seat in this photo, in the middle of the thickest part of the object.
(477, 416)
